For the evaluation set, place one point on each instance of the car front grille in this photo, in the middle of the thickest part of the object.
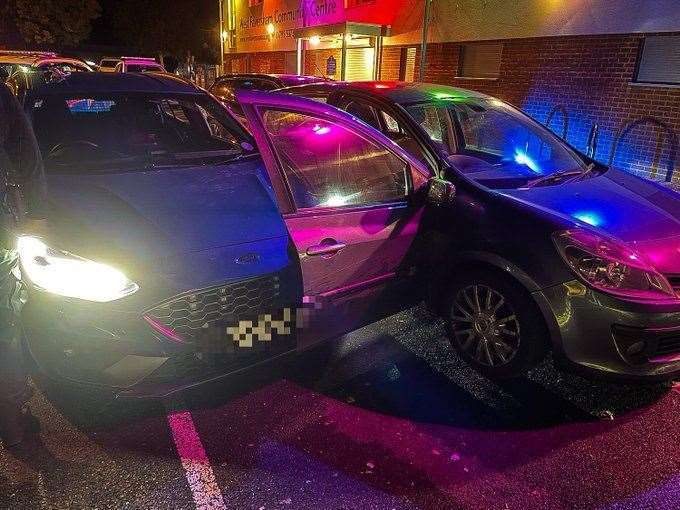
(192, 312)
(675, 282)
(667, 345)
(639, 346)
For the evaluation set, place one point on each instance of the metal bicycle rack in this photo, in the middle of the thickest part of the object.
(565, 120)
(671, 137)
(670, 140)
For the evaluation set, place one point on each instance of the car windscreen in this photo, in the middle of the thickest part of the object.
(121, 132)
(495, 144)
(109, 64)
(142, 68)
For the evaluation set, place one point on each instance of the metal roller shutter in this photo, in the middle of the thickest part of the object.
(360, 64)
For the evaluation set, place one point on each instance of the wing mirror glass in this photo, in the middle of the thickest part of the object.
(440, 191)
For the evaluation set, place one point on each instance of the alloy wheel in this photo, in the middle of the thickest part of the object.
(485, 326)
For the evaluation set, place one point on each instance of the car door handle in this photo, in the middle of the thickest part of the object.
(325, 248)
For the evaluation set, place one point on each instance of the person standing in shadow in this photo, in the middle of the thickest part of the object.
(23, 209)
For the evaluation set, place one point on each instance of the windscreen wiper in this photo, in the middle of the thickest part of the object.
(577, 174)
(589, 170)
(552, 177)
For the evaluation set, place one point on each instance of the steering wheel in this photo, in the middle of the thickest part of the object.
(86, 144)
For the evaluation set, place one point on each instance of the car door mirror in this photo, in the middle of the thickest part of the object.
(440, 191)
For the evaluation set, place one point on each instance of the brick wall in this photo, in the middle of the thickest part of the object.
(265, 62)
(315, 62)
(585, 80)
(391, 62)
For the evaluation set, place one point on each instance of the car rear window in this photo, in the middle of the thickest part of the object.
(251, 84)
(67, 67)
(142, 68)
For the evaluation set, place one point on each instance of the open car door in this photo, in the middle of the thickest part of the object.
(352, 201)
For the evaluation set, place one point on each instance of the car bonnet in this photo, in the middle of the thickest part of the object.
(171, 210)
(644, 214)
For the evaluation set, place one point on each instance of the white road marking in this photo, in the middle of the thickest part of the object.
(197, 468)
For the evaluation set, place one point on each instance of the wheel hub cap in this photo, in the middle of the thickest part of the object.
(485, 326)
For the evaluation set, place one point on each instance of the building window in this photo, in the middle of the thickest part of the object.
(480, 60)
(350, 4)
(659, 60)
(407, 64)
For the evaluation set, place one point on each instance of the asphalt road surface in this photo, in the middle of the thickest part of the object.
(394, 421)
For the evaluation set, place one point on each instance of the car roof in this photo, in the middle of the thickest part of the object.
(103, 83)
(37, 59)
(285, 79)
(295, 79)
(138, 59)
(402, 92)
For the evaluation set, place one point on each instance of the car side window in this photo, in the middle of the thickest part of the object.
(18, 84)
(391, 124)
(364, 112)
(433, 120)
(329, 165)
(222, 89)
(492, 131)
(395, 131)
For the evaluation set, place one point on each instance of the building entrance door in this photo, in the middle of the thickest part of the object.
(342, 51)
(360, 64)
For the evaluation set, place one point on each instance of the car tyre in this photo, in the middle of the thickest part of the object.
(494, 325)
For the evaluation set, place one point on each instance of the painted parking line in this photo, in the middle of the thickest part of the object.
(197, 468)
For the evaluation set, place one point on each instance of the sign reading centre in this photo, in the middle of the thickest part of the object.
(268, 25)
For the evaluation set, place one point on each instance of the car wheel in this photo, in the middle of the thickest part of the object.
(494, 325)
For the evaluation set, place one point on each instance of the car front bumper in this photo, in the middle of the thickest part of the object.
(600, 335)
(109, 346)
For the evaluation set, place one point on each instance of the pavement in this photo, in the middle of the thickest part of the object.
(387, 418)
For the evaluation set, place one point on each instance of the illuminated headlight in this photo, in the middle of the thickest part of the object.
(612, 266)
(65, 274)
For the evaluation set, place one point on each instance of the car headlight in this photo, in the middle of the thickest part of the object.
(612, 266)
(65, 274)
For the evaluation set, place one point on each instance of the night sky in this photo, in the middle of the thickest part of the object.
(103, 32)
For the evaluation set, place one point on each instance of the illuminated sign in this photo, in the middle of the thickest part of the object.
(331, 66)
(323, 12)
(269, 25)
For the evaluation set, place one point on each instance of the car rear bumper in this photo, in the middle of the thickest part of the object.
(599, 335)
